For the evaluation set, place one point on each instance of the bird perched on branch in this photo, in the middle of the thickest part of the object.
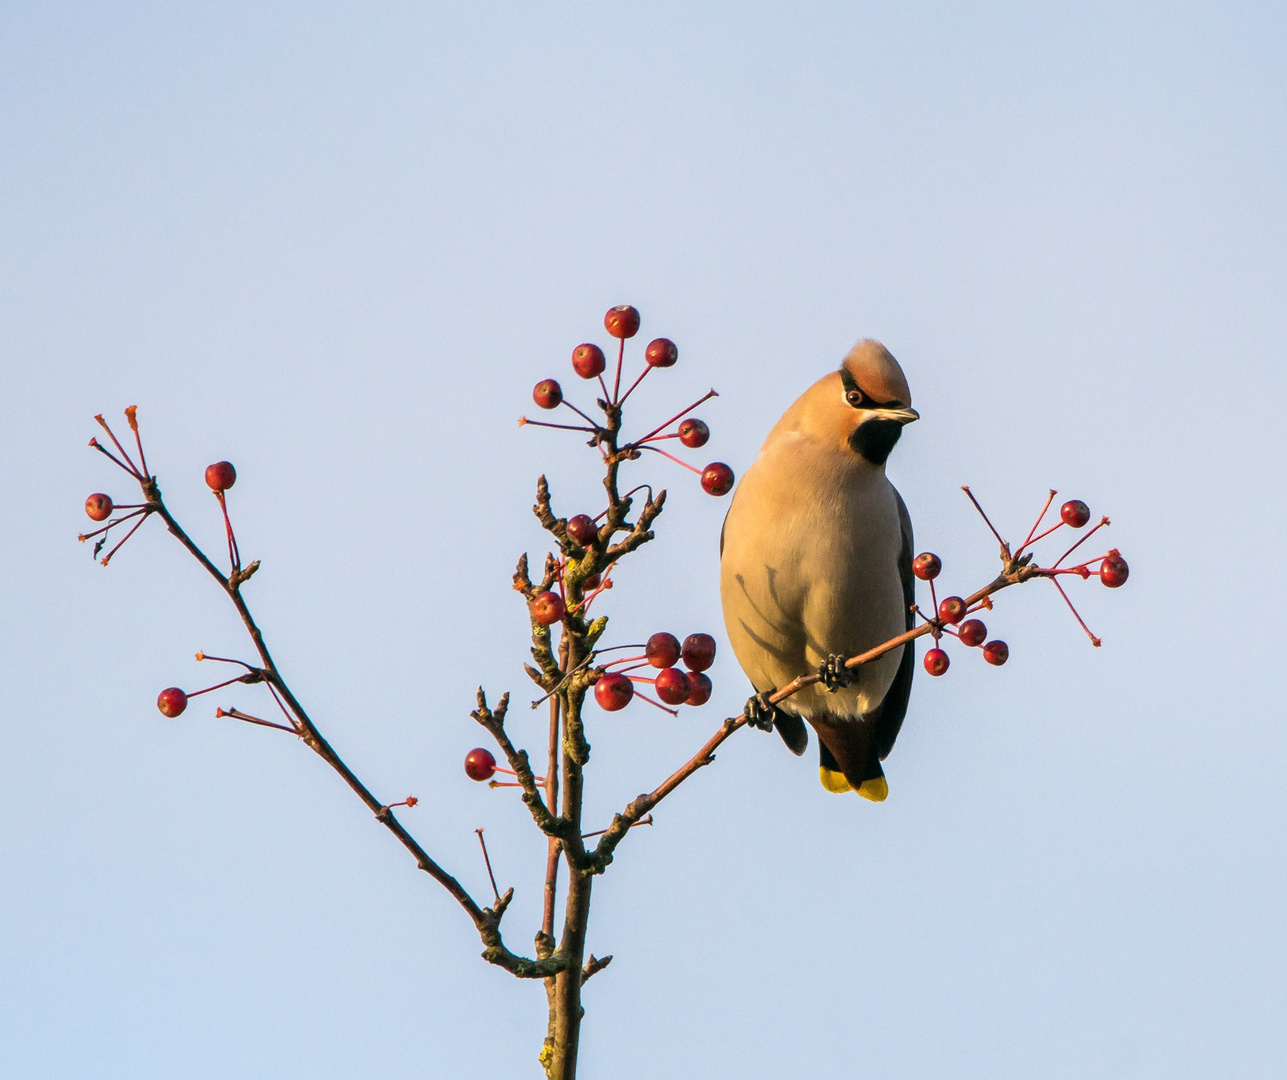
(816, 566)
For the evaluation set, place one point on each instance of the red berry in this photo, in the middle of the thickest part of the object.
(951, 609)
(588, 361)
(662, 650)
(996, 653)
(622, 321)
(613, 692)
(1075, 513)
(698, 651)
(661, 353)
(699, 689)
(548, 394)
(583, 530)
(220, 476)
(479, 764)
(693, 433)
(672, 686)
(926, 566)
(936, 661)
(172, 701)
(548, 608)
(972, 632)
(1113, 571)
(592, 582)
(99, 506)
(717, 478)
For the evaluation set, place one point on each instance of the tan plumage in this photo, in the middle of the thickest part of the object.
(816, 561)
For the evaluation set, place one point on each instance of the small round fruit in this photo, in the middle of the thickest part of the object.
(171, 701)
(583, 530)
(996, 653)
(1113, 571)
(699, 689)
(479, 764)
(972, 632)
(698, 651)
(662, 650)
(951, 609)
(613, 692)
(588, 361)
(672, 686)
(548, 394)
(622, 321)
(220, 476)
(693, 433)
(661, 352)
(592, 582)
(99, 506)
(717, 479)
(1075, 513)
(548, 608)
(927, 566)
(936, 661)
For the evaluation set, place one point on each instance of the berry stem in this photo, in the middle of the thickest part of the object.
(103, 450)
(1005, 548)
(658, 450)
(237, 714)
(104, 560)
(217, 686)
(110, 525)
(523, 420)
(587, 419)
(1037, 524)
(678, 416)
(1102, 522)
(225, 660)
(642, 375)
(234, 554)
(616, 385)
(1053, 528)
(132, 419)
(131, 467)
(1093, 639)
(483, 843)
(645, 697)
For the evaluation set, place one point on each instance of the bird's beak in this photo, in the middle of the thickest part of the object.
(903, 416)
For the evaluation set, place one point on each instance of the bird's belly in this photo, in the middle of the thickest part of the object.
(824, 580)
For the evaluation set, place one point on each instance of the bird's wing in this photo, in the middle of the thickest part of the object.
(889, 714)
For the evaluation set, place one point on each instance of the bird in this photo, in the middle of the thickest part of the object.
(816, 566)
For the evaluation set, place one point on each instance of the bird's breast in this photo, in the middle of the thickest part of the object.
(810, 569)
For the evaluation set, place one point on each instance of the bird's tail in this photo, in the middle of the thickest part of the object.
(847, 758)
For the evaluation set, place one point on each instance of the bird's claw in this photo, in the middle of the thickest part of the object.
(760, 712)
(834, 675)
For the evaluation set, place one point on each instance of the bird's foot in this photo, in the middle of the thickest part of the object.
(760, 712)
(834, 675)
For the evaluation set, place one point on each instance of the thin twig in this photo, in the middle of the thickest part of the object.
(488, 861)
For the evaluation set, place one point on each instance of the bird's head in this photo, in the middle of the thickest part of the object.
(861, 408)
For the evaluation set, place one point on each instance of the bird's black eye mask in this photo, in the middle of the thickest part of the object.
(874, 438)
(855, 396)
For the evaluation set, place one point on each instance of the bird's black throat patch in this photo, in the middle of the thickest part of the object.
(875, 438)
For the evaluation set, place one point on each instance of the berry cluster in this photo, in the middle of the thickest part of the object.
(615, 689)
(949, 618)
(589, 362)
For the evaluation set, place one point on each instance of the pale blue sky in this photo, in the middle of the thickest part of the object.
(338, 243)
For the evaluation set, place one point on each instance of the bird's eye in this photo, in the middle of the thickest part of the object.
(855, 398)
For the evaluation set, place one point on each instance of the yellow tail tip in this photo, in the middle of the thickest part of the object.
(834, 781)
(877, 790)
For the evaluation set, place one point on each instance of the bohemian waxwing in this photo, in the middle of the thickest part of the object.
(816, 566)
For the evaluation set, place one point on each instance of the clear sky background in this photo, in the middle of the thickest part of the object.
(338, 243)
